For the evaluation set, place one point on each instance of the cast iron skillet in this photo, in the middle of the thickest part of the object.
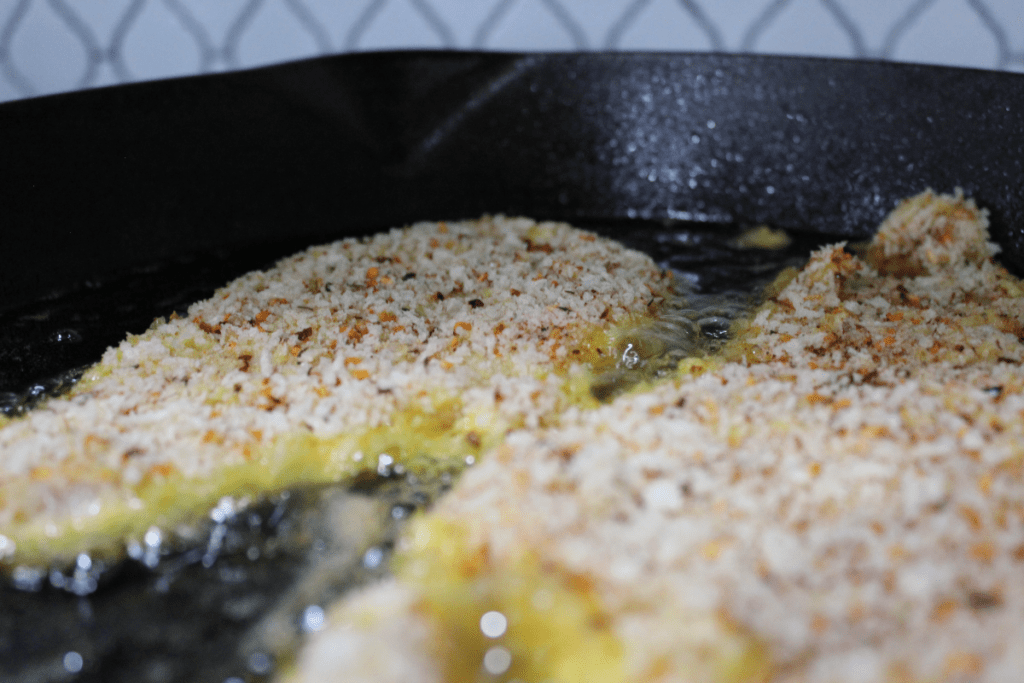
(124, 203)
(248, 165)
(102, 180)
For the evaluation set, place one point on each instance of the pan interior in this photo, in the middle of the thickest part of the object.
(232, 594)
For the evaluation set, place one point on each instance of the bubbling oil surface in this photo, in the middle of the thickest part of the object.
(230, 596)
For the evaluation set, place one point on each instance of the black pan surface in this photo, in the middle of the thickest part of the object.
(124, 203)
(101, 180)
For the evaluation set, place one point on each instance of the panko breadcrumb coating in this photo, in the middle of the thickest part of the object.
(415, 348)
(840, 497)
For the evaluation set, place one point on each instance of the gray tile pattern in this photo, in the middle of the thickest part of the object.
(56, 45)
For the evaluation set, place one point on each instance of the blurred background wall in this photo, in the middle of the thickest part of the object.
(49, 46)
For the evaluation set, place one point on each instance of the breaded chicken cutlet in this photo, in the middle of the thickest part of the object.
(414, 349)
(839, 496)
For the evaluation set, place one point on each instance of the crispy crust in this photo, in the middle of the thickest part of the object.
(842, 501)
(449, 331)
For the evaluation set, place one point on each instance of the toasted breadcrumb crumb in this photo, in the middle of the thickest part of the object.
(847, 492)
(335, 339)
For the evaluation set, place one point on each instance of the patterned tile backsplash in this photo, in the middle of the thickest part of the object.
(49, 46)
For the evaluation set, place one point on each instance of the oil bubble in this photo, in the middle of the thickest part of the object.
(259, 663)
(493, 624)
(497, 660)
(630, 357)
(373, 557)
(153, 537)
(28, 579)
(66, 336)
(313, 619)
(73, 662)
(57, 579)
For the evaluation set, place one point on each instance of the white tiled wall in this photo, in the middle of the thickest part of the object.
(57, 45)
